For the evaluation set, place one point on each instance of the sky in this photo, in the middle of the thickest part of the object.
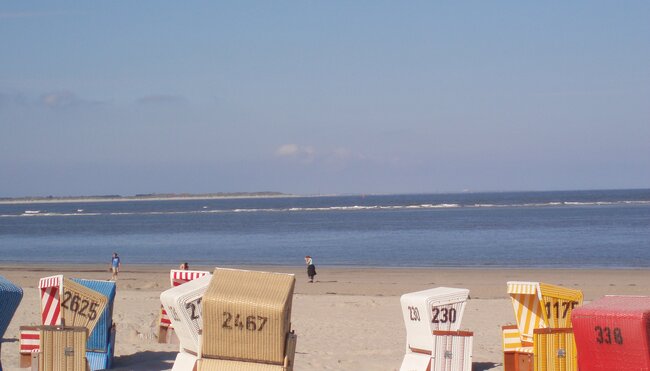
(322, 97)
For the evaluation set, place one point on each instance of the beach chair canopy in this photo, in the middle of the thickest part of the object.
(50, 289)
(178, 277)
(247, 315)
(541, 305)
(10, 297)
(99, 338)
(440, 308)
(183, 306)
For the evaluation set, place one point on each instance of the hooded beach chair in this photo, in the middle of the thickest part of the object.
(183, 306)
(177, 277)
(10, 297)
(101, 341)
(613, 333)
(67, 303)
(427, 311)
(543, 313)
(247, 322)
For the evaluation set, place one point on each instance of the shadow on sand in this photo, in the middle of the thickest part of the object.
(483, 366)
(148, 360)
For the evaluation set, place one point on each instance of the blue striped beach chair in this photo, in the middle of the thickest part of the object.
(10, 297)
(100, 347)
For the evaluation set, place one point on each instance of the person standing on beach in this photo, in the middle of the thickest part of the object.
(115, 266)
(311, 268)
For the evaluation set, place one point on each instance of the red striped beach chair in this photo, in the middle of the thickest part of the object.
(50, 289)
(177, 277)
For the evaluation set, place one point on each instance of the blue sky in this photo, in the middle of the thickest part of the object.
(305, 97)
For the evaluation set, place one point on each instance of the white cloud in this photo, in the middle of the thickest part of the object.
(303, 153)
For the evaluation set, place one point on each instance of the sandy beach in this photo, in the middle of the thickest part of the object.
(350, 319)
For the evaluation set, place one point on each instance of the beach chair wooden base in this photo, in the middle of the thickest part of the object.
(167, 335)
(518, 361)
(28, 359)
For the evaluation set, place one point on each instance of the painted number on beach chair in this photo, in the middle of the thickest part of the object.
(414, 314)
(565, 305)
(192, 306)
(252, 323)
(444, 315)
(604, 335)
(83, 307)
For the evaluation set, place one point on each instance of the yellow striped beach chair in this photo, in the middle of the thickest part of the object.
(538, 306)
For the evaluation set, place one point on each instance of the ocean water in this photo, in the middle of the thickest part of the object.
(585, 229)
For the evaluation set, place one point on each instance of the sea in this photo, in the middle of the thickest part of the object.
(560, 229)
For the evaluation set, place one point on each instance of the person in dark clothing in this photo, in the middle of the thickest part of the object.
(311, 268)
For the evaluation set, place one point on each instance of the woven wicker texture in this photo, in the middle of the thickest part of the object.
(247, 315)
(10, 297)
(613, 333)
(63, 348)
(555, 350)
(81, 306)
(224, 365)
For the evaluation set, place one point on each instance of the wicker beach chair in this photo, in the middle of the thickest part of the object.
(427, 311)
(63, 348)
(613, 333)
(75, 303)
(10, 297)
(183, 306)
(540, 306)
(247, 321)
(101, 341)
(177, 277)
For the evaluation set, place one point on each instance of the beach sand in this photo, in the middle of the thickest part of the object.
(350, 319)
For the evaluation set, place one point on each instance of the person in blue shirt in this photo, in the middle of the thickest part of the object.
(115, 266)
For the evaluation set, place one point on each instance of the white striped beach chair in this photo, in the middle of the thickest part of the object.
(183, 305)
(177, 277)
(536, 306)
(437, 309)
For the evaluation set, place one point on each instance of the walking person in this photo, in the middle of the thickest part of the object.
(311, 268)
(115, 266)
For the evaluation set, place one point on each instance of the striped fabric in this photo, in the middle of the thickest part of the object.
(530, 350)
(511, 338)
(178, 277)
(540, 305)
(30, 337)
(51, 288)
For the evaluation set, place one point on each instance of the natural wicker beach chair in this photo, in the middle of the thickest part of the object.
(247, 321)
